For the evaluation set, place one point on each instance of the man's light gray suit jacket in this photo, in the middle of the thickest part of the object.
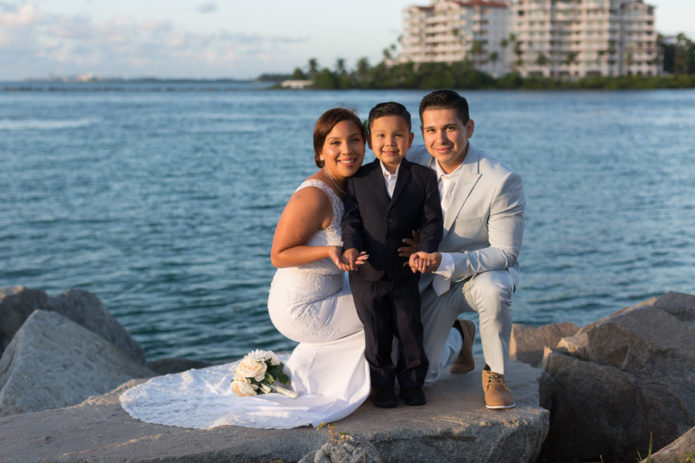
(484, 224)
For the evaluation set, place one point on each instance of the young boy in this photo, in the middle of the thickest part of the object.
(386, 201)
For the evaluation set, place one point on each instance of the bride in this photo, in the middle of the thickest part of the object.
(310, 302)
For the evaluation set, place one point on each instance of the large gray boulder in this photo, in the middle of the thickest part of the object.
(16, 304)
(677, 451)
(528, 343)
(454, 426)
(53, 362)
(82, 307)
(621, 380)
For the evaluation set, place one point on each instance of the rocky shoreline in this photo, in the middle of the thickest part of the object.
(599, 393)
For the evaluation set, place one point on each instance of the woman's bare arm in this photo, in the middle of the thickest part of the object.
(308, 211)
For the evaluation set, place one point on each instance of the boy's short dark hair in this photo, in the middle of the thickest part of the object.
(390, 108)
(446, 99)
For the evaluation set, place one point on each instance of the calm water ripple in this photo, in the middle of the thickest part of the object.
(162, 199)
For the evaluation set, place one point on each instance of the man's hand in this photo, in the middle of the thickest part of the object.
(424, 262)
(410, 246)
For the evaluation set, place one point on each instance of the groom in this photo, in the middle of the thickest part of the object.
(476, 267)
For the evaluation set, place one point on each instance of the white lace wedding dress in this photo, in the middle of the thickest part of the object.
(310, 304)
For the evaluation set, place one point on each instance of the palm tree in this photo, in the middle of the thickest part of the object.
(362, 72)
(477, 50)
(340, 66)
(518, 62)
(363, 66)
(313, 67)
(518, 51)
(630, 59)
(298, 74)
(504, 43)
(493, 58)
(684, 49)
(571, 58)
(342, 78)
(389, 54)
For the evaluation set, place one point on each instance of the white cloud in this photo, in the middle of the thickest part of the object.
(17, 27)
(24, 15)
(125, 47)
(206, 8)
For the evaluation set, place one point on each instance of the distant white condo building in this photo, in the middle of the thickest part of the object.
(578, 38)
(448, 31)
(560, 38)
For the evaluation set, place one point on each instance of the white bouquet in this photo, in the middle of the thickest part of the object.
(258, 373)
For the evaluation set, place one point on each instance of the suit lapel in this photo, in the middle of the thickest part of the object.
(377, 179)
(464, 185)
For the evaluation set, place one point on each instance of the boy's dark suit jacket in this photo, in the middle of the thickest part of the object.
(375, 223)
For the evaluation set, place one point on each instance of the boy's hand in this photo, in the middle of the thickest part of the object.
(361, 259)
(353, 258)
(410, 246)
(424, 262)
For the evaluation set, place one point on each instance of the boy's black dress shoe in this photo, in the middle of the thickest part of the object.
(384, 397)
(413, 396)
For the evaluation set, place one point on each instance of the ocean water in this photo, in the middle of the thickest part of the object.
(161, 198)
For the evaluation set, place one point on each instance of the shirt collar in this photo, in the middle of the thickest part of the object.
(388, 175)
(440, 172)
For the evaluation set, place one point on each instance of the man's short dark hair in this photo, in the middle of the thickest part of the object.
(445, 99)
(390, 108)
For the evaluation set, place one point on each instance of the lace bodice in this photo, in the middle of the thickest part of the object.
(314, 281)
(329, 236)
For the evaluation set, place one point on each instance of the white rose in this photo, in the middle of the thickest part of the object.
(249, 368)
(259, 355)
(243, 388)
(274, 360)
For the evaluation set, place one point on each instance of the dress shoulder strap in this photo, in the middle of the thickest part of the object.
(336, 202)
(319, 184)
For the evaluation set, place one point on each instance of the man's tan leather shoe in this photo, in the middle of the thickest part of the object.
(497, 394)
(464, 362)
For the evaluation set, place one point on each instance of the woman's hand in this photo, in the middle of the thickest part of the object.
(424, 262)
(335, 253)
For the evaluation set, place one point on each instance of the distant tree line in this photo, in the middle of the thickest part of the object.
(398, 75)
(678, 60)
(679, 57)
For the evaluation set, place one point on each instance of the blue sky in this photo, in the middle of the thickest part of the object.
(211, 38)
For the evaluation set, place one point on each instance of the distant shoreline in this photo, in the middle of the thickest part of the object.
(134, 85)
(467, 79)
(435, 75)
(100, 80)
